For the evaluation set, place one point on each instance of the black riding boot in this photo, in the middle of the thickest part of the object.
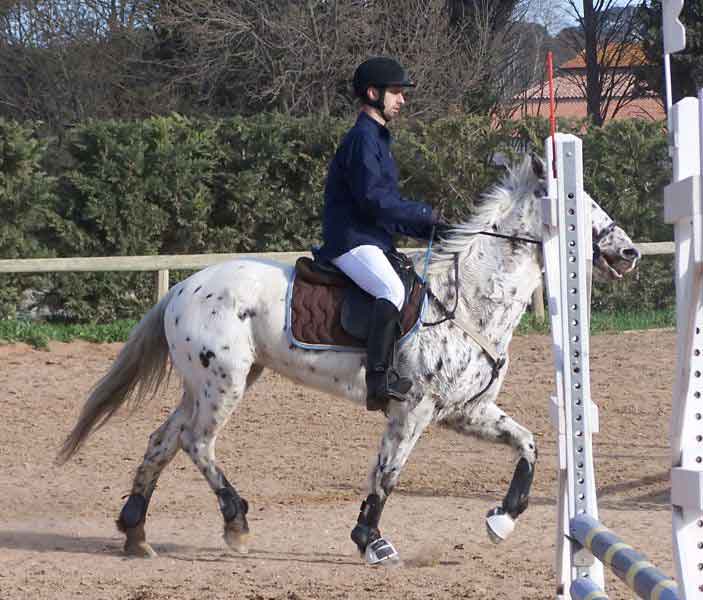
(382, 380)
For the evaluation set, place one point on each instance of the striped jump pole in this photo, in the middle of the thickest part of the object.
(586, 589)
(641, 576)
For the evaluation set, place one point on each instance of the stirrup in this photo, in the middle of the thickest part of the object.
(389, 386)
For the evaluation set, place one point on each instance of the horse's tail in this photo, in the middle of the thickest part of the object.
(135, 376)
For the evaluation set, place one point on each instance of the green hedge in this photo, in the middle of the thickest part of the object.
(172, 185)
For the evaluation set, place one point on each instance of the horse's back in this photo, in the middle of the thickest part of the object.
(219, 306)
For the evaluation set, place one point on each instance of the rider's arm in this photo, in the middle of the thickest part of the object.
(376, 194)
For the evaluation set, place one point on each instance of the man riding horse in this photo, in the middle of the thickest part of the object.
(364, 210)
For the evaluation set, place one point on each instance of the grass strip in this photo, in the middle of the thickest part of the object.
(39, 333)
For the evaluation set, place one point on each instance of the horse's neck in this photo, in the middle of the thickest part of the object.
(495, 286)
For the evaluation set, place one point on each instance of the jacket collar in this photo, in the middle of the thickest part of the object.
(366, 122)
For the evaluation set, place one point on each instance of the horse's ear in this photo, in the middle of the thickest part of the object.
(538, 166)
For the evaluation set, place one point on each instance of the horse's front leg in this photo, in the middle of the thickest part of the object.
(405, 426)
(488, 422)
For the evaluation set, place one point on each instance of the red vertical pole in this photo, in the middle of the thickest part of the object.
(552, 112)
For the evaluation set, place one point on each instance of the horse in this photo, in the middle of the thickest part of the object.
(222, 326)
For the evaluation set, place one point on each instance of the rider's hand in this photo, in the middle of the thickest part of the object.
(441, 225)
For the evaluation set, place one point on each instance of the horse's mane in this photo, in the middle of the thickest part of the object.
(491, 209)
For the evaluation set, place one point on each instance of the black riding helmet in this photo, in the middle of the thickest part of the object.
(379, 72)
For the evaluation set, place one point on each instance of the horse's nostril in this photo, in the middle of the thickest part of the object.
(631, 253)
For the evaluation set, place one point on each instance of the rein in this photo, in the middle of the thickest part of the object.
(497, 361)
(514, 238)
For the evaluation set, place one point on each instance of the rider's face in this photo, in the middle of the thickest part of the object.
(393, 101)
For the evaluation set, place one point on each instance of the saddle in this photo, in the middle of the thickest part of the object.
(328, 309)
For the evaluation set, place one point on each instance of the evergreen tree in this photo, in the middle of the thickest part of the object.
(687, 65)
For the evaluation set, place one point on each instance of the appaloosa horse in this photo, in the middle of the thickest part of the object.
(224, 325)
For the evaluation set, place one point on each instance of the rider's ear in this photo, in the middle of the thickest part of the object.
(538, 166)
(372, 93)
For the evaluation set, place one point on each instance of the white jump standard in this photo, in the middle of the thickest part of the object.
(581, 539)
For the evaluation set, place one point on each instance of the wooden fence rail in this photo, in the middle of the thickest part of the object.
(161, 264)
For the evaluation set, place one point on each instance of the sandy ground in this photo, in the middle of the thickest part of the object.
(305, 480)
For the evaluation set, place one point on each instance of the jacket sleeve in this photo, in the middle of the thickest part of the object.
(422, 232)
(375, 195)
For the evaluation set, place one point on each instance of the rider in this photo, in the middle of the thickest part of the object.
(364, 209)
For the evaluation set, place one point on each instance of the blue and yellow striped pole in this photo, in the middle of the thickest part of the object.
(585, 589)
(641, 576)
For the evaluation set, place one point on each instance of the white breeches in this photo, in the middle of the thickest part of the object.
(369, 268)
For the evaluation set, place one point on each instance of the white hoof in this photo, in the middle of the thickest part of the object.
(381, 551)
(499, 525)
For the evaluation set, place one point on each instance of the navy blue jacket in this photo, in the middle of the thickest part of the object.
(362, 201)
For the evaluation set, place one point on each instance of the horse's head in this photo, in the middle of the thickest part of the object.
(614, 253)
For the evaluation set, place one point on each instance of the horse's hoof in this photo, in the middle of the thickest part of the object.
(139, 549)
(135, 544)
(381, 552)
(499, 524)
(236, 539)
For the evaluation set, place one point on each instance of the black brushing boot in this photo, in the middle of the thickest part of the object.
(383, 382)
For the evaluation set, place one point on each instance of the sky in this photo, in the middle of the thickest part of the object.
(553, 14)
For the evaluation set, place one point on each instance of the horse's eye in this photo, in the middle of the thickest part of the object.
(541, 191)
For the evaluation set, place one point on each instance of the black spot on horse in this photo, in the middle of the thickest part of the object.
(205, 358)
(225, 348)
(247, 313)
(444, 341)
(187, 339)
(221, 391)
(197, 289)
(190, 357)
(180, 291)
(224, 375)
(219, 297)
(213, 313)
(209, 296)
(439, 364)
(176, 321)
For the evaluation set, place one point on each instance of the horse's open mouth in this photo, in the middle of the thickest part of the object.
(616, 268)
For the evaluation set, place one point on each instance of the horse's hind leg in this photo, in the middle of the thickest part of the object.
(490, 423)
(214, 403)
(163, 445)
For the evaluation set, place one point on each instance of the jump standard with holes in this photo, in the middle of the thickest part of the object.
(584, 545)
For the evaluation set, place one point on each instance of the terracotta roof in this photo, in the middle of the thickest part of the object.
(615, 55)
(568, 87)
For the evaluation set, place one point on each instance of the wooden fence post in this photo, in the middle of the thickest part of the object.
(538, 303)
(161, 283)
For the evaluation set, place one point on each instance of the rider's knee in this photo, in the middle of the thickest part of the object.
(395, 293)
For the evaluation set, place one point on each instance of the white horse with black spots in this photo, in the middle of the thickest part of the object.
(222, 326)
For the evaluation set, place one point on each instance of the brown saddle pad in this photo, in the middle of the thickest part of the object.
(316, 307)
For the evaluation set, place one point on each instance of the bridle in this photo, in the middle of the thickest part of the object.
(497, 361)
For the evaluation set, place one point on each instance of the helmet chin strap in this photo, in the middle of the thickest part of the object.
(378, 104)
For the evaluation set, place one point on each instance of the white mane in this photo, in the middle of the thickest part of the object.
(490, 214)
